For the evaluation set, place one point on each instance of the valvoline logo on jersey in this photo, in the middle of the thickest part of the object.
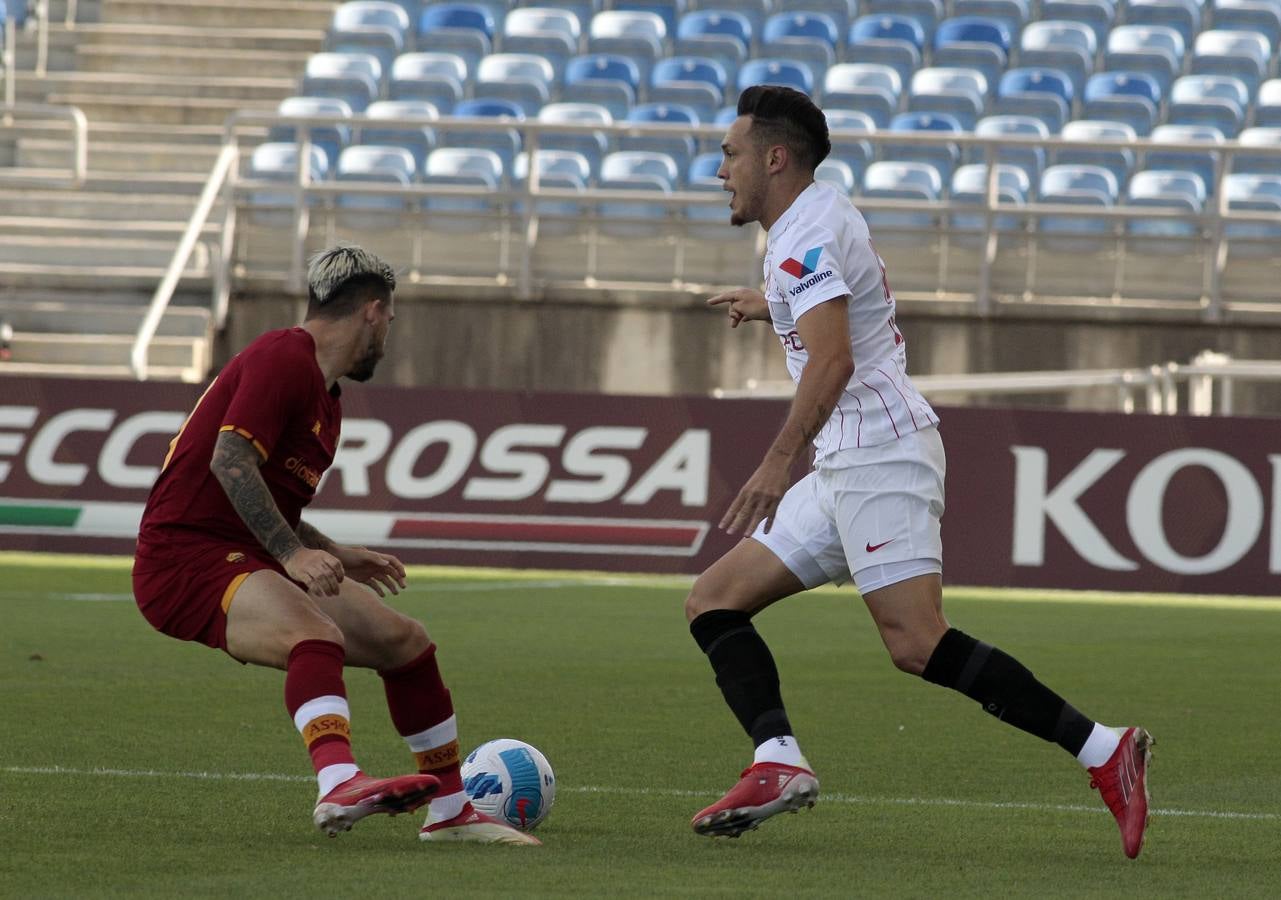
(804, 269)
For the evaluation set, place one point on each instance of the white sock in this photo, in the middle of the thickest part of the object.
(331, 776)
(1100, 745)
(446, 807)
(783, 750)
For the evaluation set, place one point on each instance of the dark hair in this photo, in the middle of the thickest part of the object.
(342, 278)
(783, 115)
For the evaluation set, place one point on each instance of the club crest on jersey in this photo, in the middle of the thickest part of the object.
(799, 269)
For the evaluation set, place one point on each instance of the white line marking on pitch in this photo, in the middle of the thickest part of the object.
(662, 792)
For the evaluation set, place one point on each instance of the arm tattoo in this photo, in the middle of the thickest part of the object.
(313, 538)
(235, 464)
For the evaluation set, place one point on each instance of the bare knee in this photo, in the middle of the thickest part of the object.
(909, 651)
(404, 640)
(710, 593)
(314, 627)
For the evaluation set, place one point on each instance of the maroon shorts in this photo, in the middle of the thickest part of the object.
(185, 589)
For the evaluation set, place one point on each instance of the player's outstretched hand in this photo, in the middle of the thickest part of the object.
(318, 571)
(378, 571)
(743, 305)
(758, 500)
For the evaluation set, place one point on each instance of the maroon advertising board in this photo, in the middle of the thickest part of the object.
(637, 484)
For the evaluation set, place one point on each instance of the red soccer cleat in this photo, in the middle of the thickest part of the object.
(1123, 783)
(474, 826)
(763, 790)
(361, 796)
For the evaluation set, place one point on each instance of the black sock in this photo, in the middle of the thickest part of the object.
(745, 671)
(1006, 689)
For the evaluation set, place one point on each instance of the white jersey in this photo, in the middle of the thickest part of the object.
(819, 250)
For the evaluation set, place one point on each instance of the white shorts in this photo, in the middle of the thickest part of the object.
(874, 512)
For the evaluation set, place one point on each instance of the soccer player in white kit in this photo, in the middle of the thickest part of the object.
(871, 507)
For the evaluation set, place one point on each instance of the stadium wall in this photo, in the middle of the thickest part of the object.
(680, 348)
(518, 479)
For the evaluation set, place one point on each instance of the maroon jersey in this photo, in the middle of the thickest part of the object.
(272, 394)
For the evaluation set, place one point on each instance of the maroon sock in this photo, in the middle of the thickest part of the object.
(317, 701)
(423, 713)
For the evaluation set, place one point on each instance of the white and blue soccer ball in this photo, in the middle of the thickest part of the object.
(511, 781)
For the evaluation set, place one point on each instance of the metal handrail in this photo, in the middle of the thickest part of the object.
(164, 292)
(79, 166)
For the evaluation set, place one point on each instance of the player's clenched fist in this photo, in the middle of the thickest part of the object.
(320, 572)
(743, 305)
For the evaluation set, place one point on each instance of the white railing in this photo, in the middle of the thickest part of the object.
(17, 114)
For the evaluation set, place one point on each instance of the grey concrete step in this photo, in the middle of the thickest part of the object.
(105, 349)
(50, 276)
(45, 226)
(234, 38)
(221, 13)
(71, 370)
(103, 205)
(127, 132)
(190, 61)
(161, 110)
(134, 85)
(81, 317)
(121, 157)
(100, 252)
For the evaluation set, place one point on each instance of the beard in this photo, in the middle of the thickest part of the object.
(364, 370)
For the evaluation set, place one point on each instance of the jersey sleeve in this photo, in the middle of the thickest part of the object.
(270, 391)
(810, 272)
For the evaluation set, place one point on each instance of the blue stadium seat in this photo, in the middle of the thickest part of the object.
(776, 71)
(806, 37)
(838, 174)
(559, 169)
(943, 157)
(279, 162)
(726, 116)
(694, 81)
(1267, 105)
(1261, 16)
(1254, 193)
(1098, 15)
(900, 181)
(891, 40)
(1077, 186)
(1202, 163)
(369, 26)
(551, 33)
(969, 187)
(710, 221)
(465, 29)
(1067, 46)
(523, 78)
(330, 139)
(637, 171)
(1030, 159)
(721, 35)
(973, 42)
(503, 142)
(591, 147)
(419, 141)
(376, 165)
(705, 165)
(841, 12)
(1258, 163)
(927, 13)
(360, 13)
(436, 78)
(355, 78)
(668, 10)
(640, 36)
(608, 80)
(462, 166)
(1184, 16)
(1183, 192)
(680, 147)
(1129, 97)
(852, 151)
(1014, 13)
(631, 163)
(1155, 50)
(959, 92)
(1218, 100)
(754, 11)
(1244, 54)
(1045, 94)
(871, 88)
(1117, 160)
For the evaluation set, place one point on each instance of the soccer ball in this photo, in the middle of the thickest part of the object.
(511, 781)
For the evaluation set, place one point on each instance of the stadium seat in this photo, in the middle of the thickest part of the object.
(1077, 186)
(608, 80)
(330, 139)
(522, 78)
(870, 88)
(776, 71)
(1203, 164)
(722, 35)
(694, 81)
(1097, 15)
(1045, 94)
(374, 165)
(973, 42)
(1254, 193)
(369, 26)
(436, 78)
(626, 219)
(891, 40)
(943, 157)
(504, 142)
(1258, 164)
(836, 173)
(806, 37)
(1267, 105)
(464, 29)
(705, 165)
(355, 78)
(274, 161)
(680, 147)
(1129, 97)
(633, 163)
(591, 147)
(1030, 159)
(360, 13)
(852, 151)
(900, 181)
(1155, 50)
(1117, 160)
(927, 13)
(755, 12)
(1218, 100)
(1243, 54)
(959, 92)
(418, 141)
(841, 12)
(1184, 16)
(551, 33)
(669, 11)
(969, 187)
(1069, 47)
(561, 169)
(1183, 192)
(462, 166)
(1260, 16)
(640, 36)
(1014, 13)
(709, 221)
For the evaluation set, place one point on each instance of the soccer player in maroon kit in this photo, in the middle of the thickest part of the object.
(225, 559)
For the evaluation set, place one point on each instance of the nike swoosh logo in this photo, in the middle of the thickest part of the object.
(872, 548)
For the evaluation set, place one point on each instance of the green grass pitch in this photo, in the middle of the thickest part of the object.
(134, 765)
